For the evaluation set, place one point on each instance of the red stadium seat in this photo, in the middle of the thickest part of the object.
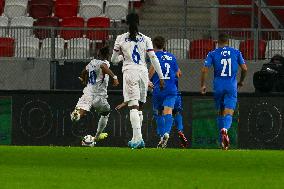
(2, 5)
(40, 2)
(98, 22)
(247, 48)
(73, 22)
(200, 48)
(65, 10)
(40, 10)
(46, 21)
(7, 47)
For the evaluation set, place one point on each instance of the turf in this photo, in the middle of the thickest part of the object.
(71, 167)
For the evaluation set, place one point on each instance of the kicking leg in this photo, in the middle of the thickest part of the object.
(101, 126)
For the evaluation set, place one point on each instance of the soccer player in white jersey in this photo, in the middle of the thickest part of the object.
(134, 46)
(96, 77)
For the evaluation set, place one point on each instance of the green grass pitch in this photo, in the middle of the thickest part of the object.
(74, 167)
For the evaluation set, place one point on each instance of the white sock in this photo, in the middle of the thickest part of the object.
(101, 125)
(141, 118)
(135, 123)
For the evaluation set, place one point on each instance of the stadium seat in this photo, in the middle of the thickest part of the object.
(91, 8)
(117, 9)
(7, 46)
(46, 49)
(200, 48)
(15, 8)
(74, 22)
(78, 48)
(247, 49)
(98, 22)
(234, 43)
(2, 4)
(274, 47)
(21, 21)
(66, 8)
(4, 21)
(179, 47)
(46, 21)
(40, 10)
(27, 47)
(42, 2)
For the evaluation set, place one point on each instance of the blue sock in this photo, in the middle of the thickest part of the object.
(220, 122)
(168, 123)
(160, 125)
(228, 121)
(178, 122)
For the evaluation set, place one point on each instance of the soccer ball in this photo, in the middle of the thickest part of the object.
(75, 115)
(88, 141)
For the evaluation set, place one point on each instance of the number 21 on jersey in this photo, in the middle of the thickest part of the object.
(226, 63)
(135, 55)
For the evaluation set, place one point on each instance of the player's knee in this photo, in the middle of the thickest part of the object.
(228, 112)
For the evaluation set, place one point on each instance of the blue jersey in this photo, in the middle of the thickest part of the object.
(169, 68)
(225, 61)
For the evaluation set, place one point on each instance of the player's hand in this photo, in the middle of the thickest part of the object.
(162, 84)
(240, 84)
(115, 83)
(150, 85)
(83, 81)
(118, 107)
(179, 73)
(203, 90)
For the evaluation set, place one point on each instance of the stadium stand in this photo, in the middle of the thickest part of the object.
(2, 5)
(274, 47)
(4, 21)
(7, 46)
(22, 21)
(65, 9)
(27, 47)
(46, 22)
(40, 10)
(179, 47)
(15, 8)
(73, 22)
(98, 22)
(91, 8)
(248, 49)
(46, 48)
(200, 48)
(234, 43)
(78, 48)
(116, 9)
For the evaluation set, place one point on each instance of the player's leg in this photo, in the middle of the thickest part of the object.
(131, 93)
(158, 114)
(168, 105)
(84, 105)
(103, 108)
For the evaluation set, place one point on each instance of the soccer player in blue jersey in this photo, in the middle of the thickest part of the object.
(164, 100)
(225, 61)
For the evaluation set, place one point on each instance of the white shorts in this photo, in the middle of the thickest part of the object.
(135, 85)
(89, 100)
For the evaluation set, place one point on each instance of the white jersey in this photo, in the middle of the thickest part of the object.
(134, 53)
(98, 81)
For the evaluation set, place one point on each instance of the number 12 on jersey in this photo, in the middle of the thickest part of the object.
(225, 63)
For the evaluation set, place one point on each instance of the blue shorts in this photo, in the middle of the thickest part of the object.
(225, 99)
(178, 104)
(160, 101)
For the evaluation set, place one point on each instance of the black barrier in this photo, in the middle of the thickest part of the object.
(43, 118)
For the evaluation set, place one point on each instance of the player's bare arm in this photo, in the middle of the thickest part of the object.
(157, 67)
(204, 73)
(120, 106)
(179, 73)
(106, 70)
(84, 76)
(244, 70)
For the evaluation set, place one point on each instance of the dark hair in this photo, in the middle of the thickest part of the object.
(277, 59)
(223, 38)
(159, 42)
(104, 53)
(132, 20)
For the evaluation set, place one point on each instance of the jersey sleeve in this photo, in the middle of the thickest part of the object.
(241, 60)
(89, 65)
(209, 60)
(117, 44)
(149, 44)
